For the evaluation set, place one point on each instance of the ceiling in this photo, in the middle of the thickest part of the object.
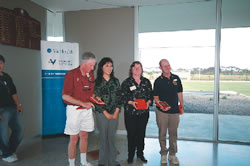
(73, 5)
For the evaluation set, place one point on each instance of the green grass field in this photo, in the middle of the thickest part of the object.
(237, 86)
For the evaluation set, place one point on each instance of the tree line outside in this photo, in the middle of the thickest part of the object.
(230, 73)
(231, 79)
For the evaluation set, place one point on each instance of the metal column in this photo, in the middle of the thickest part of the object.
(217, 71)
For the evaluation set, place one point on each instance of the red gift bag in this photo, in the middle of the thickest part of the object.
(181, 112)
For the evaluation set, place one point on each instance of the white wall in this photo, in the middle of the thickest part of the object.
(24, 66)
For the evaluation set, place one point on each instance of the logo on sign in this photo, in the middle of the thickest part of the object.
(60, 51)
(49, 50)
(52, 61)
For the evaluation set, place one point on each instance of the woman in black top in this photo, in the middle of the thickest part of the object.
(133, 88)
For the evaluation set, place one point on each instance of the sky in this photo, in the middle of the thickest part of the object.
(195, 49)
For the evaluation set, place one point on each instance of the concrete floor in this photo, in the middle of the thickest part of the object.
(53, 152)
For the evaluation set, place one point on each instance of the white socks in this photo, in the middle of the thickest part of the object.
(71, 162)
(83, 158)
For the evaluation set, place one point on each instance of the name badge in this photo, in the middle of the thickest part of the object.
(132, 88)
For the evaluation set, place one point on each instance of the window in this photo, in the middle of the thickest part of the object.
(55, 26)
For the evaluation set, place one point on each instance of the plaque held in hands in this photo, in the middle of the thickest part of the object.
(96, 101)
(163, 104)
(141, 104)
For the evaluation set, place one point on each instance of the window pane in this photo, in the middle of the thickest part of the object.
(192, 59)
(55, 26)
(234, 105)
(234, 108)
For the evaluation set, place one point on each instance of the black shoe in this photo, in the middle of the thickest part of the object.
(143, 159)
(100, 165)
(130, 160)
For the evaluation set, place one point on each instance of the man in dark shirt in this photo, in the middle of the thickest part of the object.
(10, 109)
(168, 88)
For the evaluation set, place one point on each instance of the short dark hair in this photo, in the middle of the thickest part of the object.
(87, 56)
(161, 61)
(132, 65)
(2, 58)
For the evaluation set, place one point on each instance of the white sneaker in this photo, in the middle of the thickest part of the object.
(173, 159)
(10, 159)
(88, 164)
(164, 159)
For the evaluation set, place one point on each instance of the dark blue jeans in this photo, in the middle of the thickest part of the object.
(11, 120)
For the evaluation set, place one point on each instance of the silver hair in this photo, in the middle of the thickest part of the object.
(87, 56)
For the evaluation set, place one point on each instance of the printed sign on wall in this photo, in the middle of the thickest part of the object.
(57, 59)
